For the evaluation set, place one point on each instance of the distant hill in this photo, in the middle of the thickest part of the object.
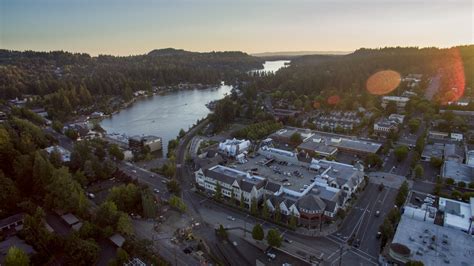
(168, 52)
(299, 53)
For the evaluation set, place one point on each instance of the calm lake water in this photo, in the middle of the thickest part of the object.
(273, 66)
(165, 115)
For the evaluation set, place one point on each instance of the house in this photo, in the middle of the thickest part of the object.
(72, 221)
(138, 143)
(11, 224)
(391, 124)
(233, 147)
(117, 240)
(14, 241)
(65, 154)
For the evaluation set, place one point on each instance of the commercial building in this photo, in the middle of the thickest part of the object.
(419, 239)
(447, 152)
(325, 144)
(458, 215)
(295, 184)
(233, 147)
(458, 171)
(470, 158)
(401, 102)
(138, 143)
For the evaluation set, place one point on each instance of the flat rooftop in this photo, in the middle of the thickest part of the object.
(290, 176)
(450, 246)
(458, 171)
(295, 175)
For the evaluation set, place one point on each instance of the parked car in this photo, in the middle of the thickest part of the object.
(288, 240)
(156, 190)
(379, 234)
(271, 255)
(377, 213)
(230, 218)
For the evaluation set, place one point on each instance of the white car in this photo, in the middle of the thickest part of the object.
(230, 218)
(156, 190)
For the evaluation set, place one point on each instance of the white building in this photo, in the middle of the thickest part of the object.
(470, 158)
(456, 136)
(234, 147)
(457, 214)
(401, 102)
(65, 154)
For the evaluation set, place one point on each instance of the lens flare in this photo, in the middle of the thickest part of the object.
(383, 82)
(316, 105)
(452, 76)
(334, 99)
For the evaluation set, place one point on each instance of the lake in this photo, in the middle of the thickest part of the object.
(164, 115)
(273, 66)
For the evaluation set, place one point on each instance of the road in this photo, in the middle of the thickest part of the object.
(361, 222)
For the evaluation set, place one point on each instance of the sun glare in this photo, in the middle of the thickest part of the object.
(383, 82)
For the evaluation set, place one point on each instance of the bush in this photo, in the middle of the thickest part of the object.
(461, 184)
(449, 181)
(274, 238)
(257, 232)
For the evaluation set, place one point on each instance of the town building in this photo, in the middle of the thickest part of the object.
(325, 144)
(339, 120)
(233, 147)
(458, 215)
(391, 124)
(401, 102)
(457, 171)
(470, 158)
(295, 184)
(447, 152)
(138, 143)
(420, 239)
(283, 114)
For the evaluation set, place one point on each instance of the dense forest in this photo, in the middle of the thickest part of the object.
(68, 81)
(346, 75)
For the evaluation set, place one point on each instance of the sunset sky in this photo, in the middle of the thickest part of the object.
(138, 26)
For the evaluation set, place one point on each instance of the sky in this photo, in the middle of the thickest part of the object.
(130, 27)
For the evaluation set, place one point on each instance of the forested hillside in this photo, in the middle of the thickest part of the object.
(44, 73)
(315, 74)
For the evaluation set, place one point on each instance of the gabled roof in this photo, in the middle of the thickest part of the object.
(330, 205)
(220, 177)
(246, 186)
(12, 219)
(311, 202)
(273, 187)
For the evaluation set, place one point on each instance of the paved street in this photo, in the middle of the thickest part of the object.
(362, 223)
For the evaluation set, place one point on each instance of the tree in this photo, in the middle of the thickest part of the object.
(107, 214)
(116, 153)
(126, 197)
(449, 181)
(277, 214)
(401, 152)
(265, 212)
(414, 124)
(296, 139)
(274, 238)
(65, 193)
(373, 160)
(122, 256)
(16, 257)
(177, 203)
(242, 202)
(257, 232)
(253, 206)
(419, 171)
(461, 184)
(436, 162)
(57, 126)
(181, 133)
(386, 229)
(293, 222)
(9, 195)
(124, 224)
(402, 194)
(221, 232)
(218, 193)
(173, 186)
(81, 252)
